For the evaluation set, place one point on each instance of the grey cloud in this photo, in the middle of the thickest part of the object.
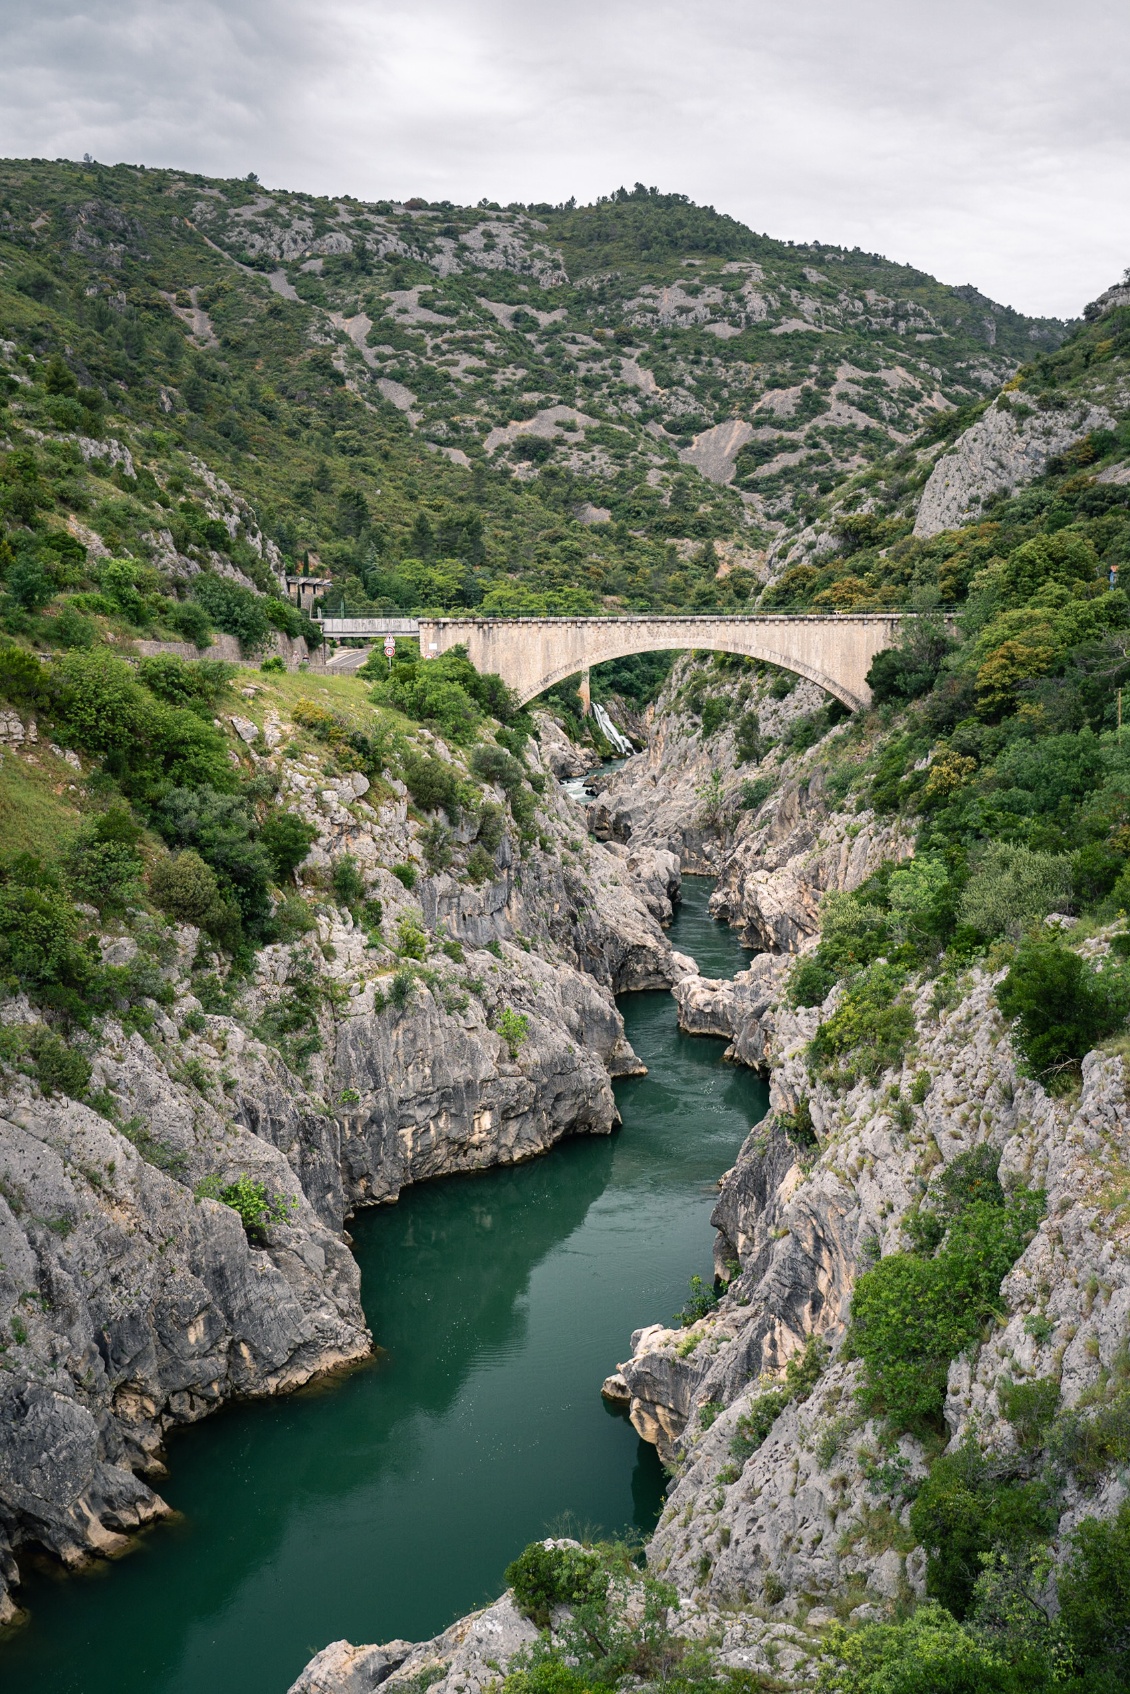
(984, 142)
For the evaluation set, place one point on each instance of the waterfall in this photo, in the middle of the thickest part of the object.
(611, 734)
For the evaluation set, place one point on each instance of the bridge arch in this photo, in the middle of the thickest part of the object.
(531, 654)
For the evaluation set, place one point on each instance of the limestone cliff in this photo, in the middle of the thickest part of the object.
(1006, 449)
(347, 1065)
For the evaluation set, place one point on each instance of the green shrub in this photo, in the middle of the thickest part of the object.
(257, 1210)
(23, 680)
(39, 947)
(221, 828)
(433, 784)
(406, 875)
(715, 711)
(103, 865)
(29, 584)
(495, 765)
(1014, 886)
(1061, 1007)
(347, 882)
(870, 1029)
(702, 1299)
(189, 618)
(71, 629)
(294, 919)
(58, 1067)
(810, 982)
(802, 1372)
(753, 793)
(199, 684)
(961, 1512)
(1030, 1408)
(185, 888)
(912, 1315)
(928, 1653)
(480, 866)
(514, 1028)
(492, 826)
(1093, 1440)
(909, 670)
(412, 940)
(99, 706)
(544, 1577)
(447, 691)
(798, 1126)
(1094, 1598)
(236, 610)
(437, 847)
(749, 747)
(287, 839)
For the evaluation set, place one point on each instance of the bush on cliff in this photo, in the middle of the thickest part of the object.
(1061, 1007)
(915, 1312)
(868, 1032)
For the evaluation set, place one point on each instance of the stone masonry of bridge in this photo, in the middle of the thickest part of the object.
(531, 654)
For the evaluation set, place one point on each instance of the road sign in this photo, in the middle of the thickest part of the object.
(390, 647)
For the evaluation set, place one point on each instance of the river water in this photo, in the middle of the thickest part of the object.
(388, 1503)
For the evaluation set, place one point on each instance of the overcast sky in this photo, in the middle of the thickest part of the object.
(987, 141)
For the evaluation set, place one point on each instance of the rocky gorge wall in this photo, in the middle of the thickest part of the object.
(341, 1070)
(789, 1505)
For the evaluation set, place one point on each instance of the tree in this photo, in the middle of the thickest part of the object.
(287, 839)
(1061, 1006)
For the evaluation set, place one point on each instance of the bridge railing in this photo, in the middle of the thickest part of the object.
(411, 625)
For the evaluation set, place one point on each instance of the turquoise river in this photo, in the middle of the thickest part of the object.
(389, 1502)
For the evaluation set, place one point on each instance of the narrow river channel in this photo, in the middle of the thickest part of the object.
(389, 1503)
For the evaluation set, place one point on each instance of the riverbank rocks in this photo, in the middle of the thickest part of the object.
(129, 1306)
(468, 1658)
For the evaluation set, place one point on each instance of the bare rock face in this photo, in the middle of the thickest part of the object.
(787, 858)
(561, 755)
(468, 1658)
(740, 1009)
(439, 1092)
(1006, 448)
(133, 1307)
(659, 798)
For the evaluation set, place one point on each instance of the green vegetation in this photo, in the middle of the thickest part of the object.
(256, 1209)
(1062, 1006)
(1010, 1640)
(915, 1312)
(620, 1627)
(514, 1028)
(802, 1372)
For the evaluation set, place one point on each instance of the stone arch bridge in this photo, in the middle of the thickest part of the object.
(531, 654)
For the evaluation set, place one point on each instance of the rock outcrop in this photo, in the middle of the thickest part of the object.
(1009, 446)
(130, 1306)
(661, 798)
(789, 855)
